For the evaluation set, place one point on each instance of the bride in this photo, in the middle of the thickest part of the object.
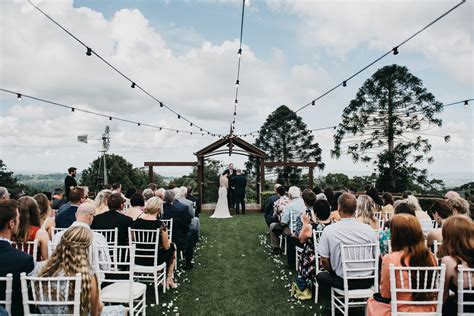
(222, 208)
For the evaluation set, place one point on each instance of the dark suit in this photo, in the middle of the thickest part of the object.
(195, 200)
(65, 218)
(230, 190)
(240, 183)
(15, 262)
(182, 235)
(269, 209)
(112, 219)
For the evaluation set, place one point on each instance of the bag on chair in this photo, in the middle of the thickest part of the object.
(300, 290)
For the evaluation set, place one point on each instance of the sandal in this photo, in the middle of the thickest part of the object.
(170, 283)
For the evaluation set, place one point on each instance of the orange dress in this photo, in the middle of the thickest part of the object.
(377, 308)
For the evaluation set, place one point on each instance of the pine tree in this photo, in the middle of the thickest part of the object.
(285, 138)
(384, 124)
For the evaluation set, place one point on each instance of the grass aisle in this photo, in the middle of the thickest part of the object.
(234, 274)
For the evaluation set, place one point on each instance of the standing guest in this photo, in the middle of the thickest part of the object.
(387, 203)
(4, 195)
(65, 218)
(195, 200)
(114, 218)
(166, 250)
(329, 193)
(346, 231)
(12, 260)
(457, 249)
(460, 206)
(116, 187)
(148, 194)
(101, 201)
(409, 250)
(137, 203)
(58, 198)
(30, 227)
(268, 214)
(420, 214)
(46, 213)
(152, 186)
(441, 210)
(365, 211)
(69, 181)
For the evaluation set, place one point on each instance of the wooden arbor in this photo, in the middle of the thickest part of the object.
(244, 148)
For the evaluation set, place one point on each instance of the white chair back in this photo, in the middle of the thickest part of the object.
(294, 216)
(429, 280)
(381, 223)
(378, 215)
(360, 262)
(52, 295)
(428, 225)
(169, 226)
(29, 247)
(465, 288)
(146, 243)
(111, 235)
(7, 301)
(436, 245)
(57, 230)
(388, 216)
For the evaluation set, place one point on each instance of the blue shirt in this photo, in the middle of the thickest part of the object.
(295, 207)
(65, 218)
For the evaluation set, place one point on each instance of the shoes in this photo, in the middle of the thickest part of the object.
(276, 251)
(188, 266)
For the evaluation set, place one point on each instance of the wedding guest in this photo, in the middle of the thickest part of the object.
(365, 211)
(46, 213)
(69, 181)
(167, 250)
(101, 201)
(195, 200)
(374, 194)
(128, 195)
(4, 195)
(451, 195)
(116, 187)
(441, 210)
(329, 195)
(12, 260)
(86, 194)
(268, 213)
(148, 194)
(152, 186)
(409, 250)
(58, 198)
(388, 203)
(334, 206)
(420, 214)
(160, 193)
(280, 204)
(30, 227)
(65, 218)
(137, 203)
(401, 207)
(457, 249)
(460, 206)
(181, 203)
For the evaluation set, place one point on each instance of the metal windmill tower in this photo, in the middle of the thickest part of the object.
(105, 148)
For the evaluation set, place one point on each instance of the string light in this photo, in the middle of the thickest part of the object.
(18, 96)
(73, 109)
(466, 104)
(110, 118)
(395, 50)
(344, 84)
(237, 83)
(239, 52)
(89, 51)
(133, 85)
(139, 124)
(313, 102)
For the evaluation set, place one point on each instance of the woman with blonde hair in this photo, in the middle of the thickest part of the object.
(150, 220)
(101, 201)
(70, 257)
(365, 211)
(29, 228)
(457, 249)
(46, 213)
(408, 250)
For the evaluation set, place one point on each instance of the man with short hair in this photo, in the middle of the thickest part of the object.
(58, 198)
(4, 194)
(195, 200)
(66, 217)
(12, 260)
(113, 218)
(116, 187)
(180, 197)
(152, 186)
(240, 183)
(268, 214)
(346, 231)
(230, 189)
(69, 181)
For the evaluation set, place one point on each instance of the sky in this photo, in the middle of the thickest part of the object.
(184, 53)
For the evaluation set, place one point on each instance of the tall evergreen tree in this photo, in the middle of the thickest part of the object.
(285, 138)
(384, 124)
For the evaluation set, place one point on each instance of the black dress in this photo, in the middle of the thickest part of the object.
(164, 255)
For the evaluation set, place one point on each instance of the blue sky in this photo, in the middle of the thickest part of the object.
(185, 51)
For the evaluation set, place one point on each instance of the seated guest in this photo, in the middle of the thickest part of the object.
(4, 194)
(86, 194)
(460, 206)
(195, 200)
(137, 203)
(58, 199)
(457, 249)
(320, 217)
(152, 186)
(70, 257)
(182, 236)
(384, 235)
(329, 193)
(30, 227)
(374, 194)
(12, 260)
(160, 193)
(182, 203)
(113, 218)
(101, 201)
(128, 195)
(296, 205)
(167, 250)
(148, 194)
(451, 195)
(46, 213)
(409, 250)
(268, 213)
(365, 211)
(334, 206)
(346, 231)
(66, 217)
(420, 214)
(441, 210)
(388, 203)
(280, 204)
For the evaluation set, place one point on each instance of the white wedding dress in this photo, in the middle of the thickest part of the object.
(222, 208)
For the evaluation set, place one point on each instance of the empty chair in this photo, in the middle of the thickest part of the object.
(7, 301)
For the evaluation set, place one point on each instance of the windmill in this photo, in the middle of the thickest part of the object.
(105, 148)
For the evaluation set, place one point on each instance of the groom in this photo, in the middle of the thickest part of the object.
(240, 183)
(230, 190)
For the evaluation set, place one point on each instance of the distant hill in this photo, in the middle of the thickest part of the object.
(44, 182)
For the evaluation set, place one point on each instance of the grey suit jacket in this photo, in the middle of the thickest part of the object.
(189, 204)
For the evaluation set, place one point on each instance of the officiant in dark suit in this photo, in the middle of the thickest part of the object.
(240, 183)
(231, 188)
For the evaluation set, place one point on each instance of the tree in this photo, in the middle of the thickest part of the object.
(285, 138)
(118, 170)
(7, 179)
(384, 124)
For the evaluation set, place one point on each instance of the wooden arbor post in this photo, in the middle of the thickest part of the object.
(151, 176)
(200, 179)
(311, 178)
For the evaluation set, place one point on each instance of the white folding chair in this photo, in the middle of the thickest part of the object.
(57, 230)
(388, 216)
(146, 244)
(120, 287)
(169, 226)
(29, 247)
(7, 301)
(359, 262)
(294, 216)
(283, 243)
(381, 223)
(436, 245)
(428, 225)
(465, 288)
(428, 280)
(378, 215)
(316, 237)
(52, 295)
(111, 235)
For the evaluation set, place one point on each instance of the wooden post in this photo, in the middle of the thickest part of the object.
(311, 178)
(150, 174)
(201, 179)
(262, 179)
(257, 173)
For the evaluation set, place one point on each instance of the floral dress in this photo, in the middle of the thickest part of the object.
(384, 241)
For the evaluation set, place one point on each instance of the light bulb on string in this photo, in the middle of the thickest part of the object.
(133, 85)
(466, 104)
(73, 109)
(89, 51)
(239, 52)
(161, 104)
(18, 96)
(237, 83)
(344, 83)
(395, 50)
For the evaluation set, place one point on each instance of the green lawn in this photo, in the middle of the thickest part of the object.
(234, 274)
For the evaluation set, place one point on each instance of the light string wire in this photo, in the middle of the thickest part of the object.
(90, 51)
(394, 50)
(237, 82)
(110, 117)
